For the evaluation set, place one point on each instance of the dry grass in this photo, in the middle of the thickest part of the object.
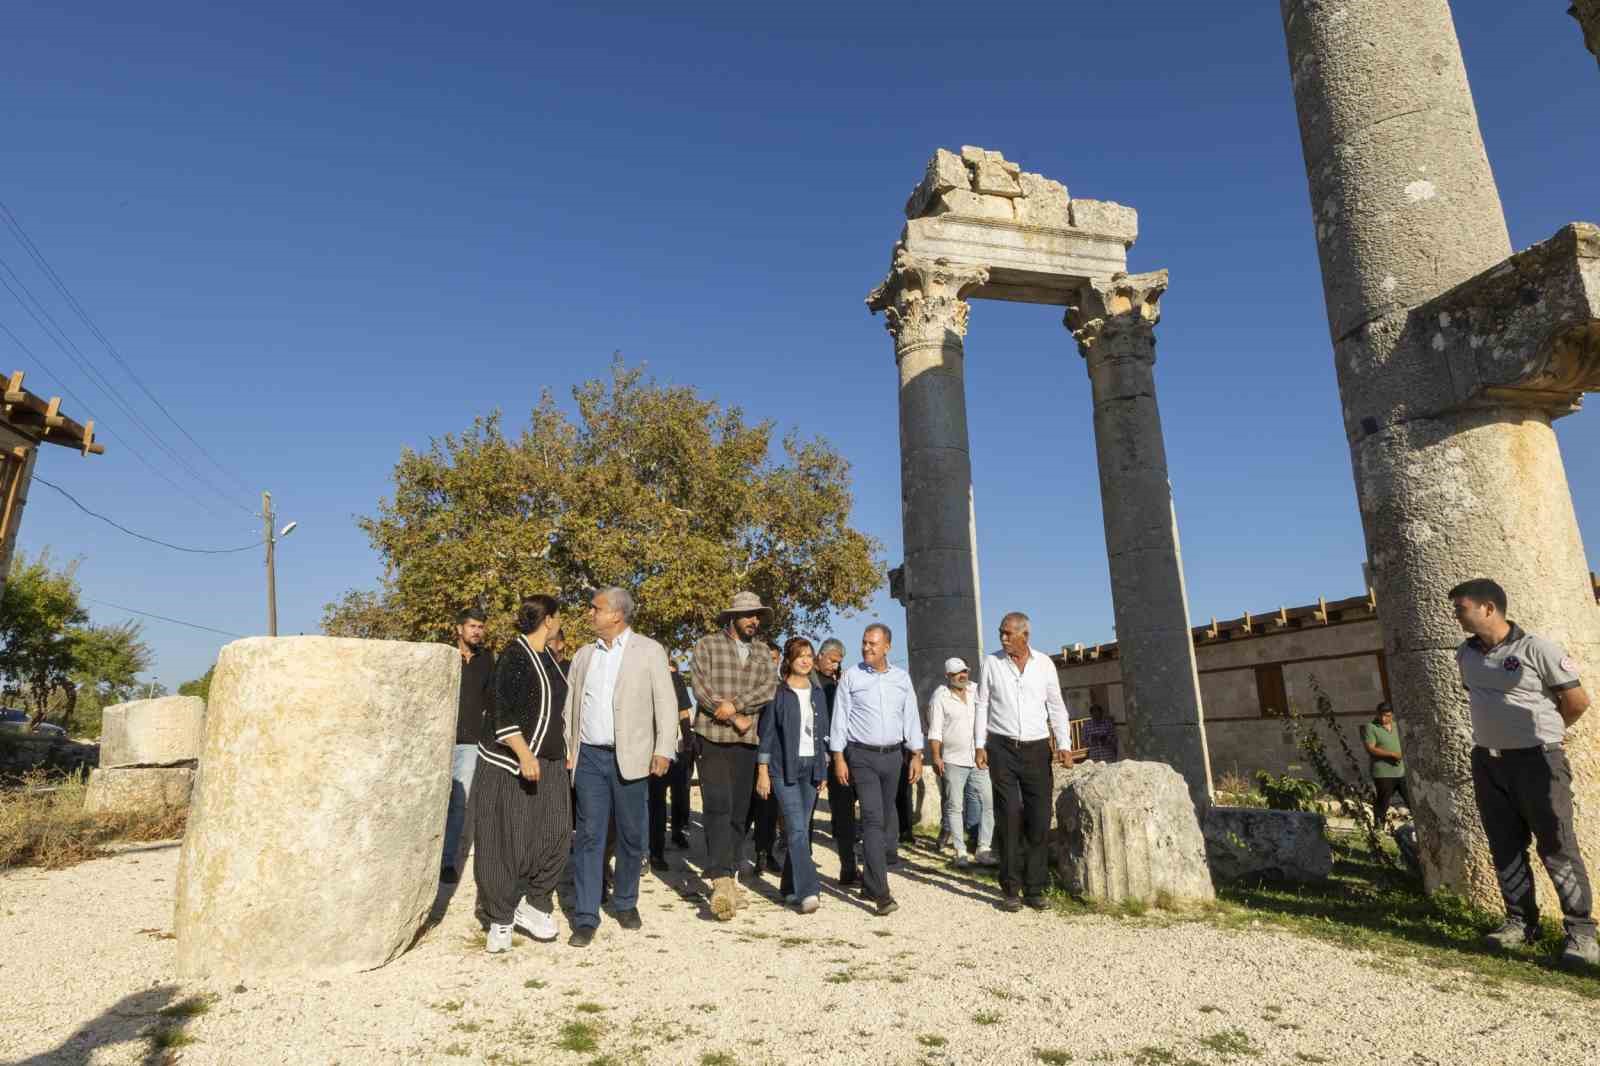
(52, 830)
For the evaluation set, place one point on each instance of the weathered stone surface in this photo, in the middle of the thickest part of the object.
(928, 801)
(972, 205)
(992, 178)
(1254, 842)
(1128, 831)
(945, 172)
(138, 789)
(1025, 263)
(318, 816)
(1107, 218)
(1043, 202)
(1587, 12)
(152, 732)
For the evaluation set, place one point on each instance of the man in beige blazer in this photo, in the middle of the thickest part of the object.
(622, 727)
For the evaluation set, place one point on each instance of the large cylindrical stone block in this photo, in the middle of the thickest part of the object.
(317, 822)
(156, 732)
(1128, 831)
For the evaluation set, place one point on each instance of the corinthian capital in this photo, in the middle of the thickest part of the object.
(923, 299)
(1124, 308)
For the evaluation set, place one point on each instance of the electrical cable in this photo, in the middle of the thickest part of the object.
(164, 618)
(141, 536)
(55, 279)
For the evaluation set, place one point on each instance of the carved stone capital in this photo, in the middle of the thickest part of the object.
(1123, 308)
(923, 300)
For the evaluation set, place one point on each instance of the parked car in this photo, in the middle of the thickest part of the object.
(17, 721)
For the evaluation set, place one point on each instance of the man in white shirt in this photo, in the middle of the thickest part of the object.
(1018, 706)
(952, 734)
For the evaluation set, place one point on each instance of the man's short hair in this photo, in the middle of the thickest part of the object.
(888, 634)
(619, 599)
(1017, 620)
(831, 644)
(471, 614)
(1481, 590)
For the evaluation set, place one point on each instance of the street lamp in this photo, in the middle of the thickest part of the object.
(268, 518)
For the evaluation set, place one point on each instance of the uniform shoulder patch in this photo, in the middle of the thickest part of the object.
(1511, 664)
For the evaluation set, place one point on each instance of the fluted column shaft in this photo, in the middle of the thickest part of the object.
(1114, 324)
(926, 314)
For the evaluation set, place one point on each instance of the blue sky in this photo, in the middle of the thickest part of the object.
(321, 233)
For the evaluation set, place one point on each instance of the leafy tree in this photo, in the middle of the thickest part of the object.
(200, 686)
(106, 663)
(39, 613)
(651, 487)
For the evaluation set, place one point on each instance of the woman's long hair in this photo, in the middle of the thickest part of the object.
(791, 651)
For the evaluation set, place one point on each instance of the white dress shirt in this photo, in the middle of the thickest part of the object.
(807, 747)
(952, 722)
(1021, 704)
(597, 714)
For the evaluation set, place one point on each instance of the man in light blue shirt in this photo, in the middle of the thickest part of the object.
(875, 721)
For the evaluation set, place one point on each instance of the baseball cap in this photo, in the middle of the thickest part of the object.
(955, 665)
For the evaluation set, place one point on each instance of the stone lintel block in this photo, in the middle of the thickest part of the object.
(973, 205)
(946, 172)
(135, 789)
(152, 732)
(995, 179)
(1527, 330)
(1255, 842)
(1106, 218)
(973, 155)
(1025, 263)
(1043, 202)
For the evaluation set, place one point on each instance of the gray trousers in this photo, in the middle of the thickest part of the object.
(1526, 796)
(876, 776)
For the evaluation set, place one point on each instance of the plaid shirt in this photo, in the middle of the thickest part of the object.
(717, 674)
(1101, 739)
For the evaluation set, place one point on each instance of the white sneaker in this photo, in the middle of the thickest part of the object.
(533, 921)
(499, 939)
(809, 905)
(961, 861)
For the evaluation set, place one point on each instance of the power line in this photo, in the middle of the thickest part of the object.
(141, 536)
(61, 287)
(88, 413)
(45, 321)
(164, 618)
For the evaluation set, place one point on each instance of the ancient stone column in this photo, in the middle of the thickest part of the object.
(1458, 474)
(1114, 324)
(926, 313)
(317, 821)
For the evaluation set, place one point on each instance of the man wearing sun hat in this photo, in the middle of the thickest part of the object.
(733, 679)
(952, 736)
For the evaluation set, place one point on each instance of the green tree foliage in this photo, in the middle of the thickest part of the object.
(39, 619)
(650, 487)
(106, 663)
(200, 686)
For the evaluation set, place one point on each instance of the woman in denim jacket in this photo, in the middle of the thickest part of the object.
(792, 760)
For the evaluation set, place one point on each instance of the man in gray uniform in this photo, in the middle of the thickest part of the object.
(1524, 693)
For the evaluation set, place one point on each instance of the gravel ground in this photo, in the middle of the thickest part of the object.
(87, 964)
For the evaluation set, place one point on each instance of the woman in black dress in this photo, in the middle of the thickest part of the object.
(522, 814)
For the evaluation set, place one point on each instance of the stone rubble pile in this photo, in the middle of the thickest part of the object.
(984, 184)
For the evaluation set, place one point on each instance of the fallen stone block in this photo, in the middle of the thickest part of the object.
(156, 732)
(1243, 842)
(1127, 831)
(966, 204)
(318, 818)
(945, 172)
(136, 789)
(1106, 218)
(1043, 203)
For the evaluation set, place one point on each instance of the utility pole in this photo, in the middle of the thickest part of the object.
(272, 577)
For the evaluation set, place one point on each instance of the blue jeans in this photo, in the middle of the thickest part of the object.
(797, 801)
(602, 796)
(463, 761)
(972, 812)
(961, 784)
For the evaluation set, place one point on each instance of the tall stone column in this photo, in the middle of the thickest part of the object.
(1457, 476)
(926, 313)
(1114, 324)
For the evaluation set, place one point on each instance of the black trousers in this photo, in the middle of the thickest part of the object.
(1386, 787)
(902, 807)
(675, 781)
(841, 822)
(727, 781)
(1020, 773)
(763, 816)
(874, 774)
(523, 833)
(1526, 795)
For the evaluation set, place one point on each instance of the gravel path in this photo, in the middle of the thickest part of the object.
(86, 960)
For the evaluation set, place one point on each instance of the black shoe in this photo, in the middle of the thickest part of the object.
(1038, 903)
(887, 906)
(658, 863)
(629, 919)
(679, 840)
(1010, 904)
(849, 877)
(946, 840)
(581, 938)
(449, 875)
(893, 859)
(774, 863)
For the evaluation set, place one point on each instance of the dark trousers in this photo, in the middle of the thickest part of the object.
(522, 834)
(875, 775)
(603, 797)
(1020, 774)
(842, 821)
(902, 807)
(1386, 787)
(1523, 796)
(676, 781)
(727, 781)
(763, 817)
